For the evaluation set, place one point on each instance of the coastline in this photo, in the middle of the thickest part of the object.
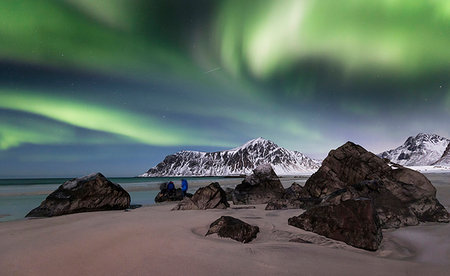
(151, 239)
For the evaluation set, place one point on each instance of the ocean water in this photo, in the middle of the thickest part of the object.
(19, 196)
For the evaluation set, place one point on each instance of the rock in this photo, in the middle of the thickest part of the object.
(354, 222)
(259, 188)
(299, 203)
(401, 196)
(89, 193)
(166, 195)
(284, 204)
(292, 199)
(209, 197)
(293, 192)
(229, 192)
(236, 229)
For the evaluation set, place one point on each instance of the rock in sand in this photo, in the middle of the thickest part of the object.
(292, 199)
(401, 196)
(93, 192)
(169, 195)
(354, 222)
(259, 188)
(209, 197)
(236, 229)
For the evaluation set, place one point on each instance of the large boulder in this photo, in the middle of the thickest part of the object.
(236, 229)
(292, 199)
(85, 194)
(209, 197)
(259, 188)
(354, 222)
(401, 196)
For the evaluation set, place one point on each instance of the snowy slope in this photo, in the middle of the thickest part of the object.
(445, 158)
(422, 150)
(237, 161)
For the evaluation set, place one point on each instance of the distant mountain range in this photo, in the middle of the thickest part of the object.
(421, 150)
(238, 161)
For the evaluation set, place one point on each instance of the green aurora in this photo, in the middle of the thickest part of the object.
(158, 76)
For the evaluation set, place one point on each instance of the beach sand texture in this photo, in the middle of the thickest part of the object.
(156, 241)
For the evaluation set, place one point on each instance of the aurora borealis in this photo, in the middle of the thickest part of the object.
(116, 85)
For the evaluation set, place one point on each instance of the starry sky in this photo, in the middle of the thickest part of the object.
(115, 85)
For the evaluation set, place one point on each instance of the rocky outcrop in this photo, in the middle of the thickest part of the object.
(236, 229)
(259, 188)
(89, 193)
(400, 196)
(169, 195)
(209, 197)
(354, 222)
(292, 199)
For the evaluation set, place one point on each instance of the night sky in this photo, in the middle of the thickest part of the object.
(115, 85)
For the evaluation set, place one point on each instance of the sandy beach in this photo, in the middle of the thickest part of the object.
(153, 240)
(157, 241)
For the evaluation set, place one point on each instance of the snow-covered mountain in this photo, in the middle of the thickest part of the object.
(422, 150)
(445, 158)
(237, 161)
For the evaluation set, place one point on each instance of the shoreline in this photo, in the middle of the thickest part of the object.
(150, 239)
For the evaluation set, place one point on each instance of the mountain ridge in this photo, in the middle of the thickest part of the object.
(420, 150)
(236, 161)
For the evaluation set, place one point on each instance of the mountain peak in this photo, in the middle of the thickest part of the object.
(422, 150)
(237, 161)
(257, 141)
(426, 137)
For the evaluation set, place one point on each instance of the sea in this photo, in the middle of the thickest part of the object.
(19, 196)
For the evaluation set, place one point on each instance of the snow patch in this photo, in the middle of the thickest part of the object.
(431, 169)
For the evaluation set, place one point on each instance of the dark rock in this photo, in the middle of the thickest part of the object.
(260, 187)
(401, 196)
(292, 199)
(293, 192)
(284, 204)
(298, 203)
(163, 186)
(236, 229)
(209, 197)
(354, 222)
(229, 193)
(169, 195)
(89, 193)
